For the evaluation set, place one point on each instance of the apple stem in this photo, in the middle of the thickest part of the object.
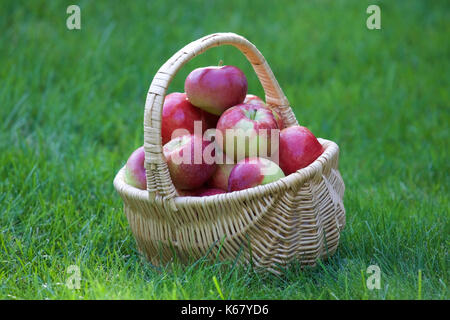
(220, 63)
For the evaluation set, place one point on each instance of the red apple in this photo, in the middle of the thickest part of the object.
(252, 172)
(246, 130)
(189, 165)
(135, 169)
(179, 113)
(204, 192)
(298, 148)
(215, 89)
(220, 177)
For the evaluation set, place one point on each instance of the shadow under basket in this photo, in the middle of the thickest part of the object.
(297, 218)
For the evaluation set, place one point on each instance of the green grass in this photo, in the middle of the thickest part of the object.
(72, 111)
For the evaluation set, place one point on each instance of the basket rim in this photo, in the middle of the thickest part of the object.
(296, 178)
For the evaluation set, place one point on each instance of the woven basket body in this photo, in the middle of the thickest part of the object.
(298, 217)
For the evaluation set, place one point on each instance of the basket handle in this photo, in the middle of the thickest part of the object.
(159, 182)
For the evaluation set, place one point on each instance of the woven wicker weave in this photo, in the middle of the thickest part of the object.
(298, 217)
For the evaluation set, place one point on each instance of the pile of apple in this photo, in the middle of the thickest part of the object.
(216, 101)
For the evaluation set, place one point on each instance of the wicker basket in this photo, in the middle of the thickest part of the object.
(298, 217)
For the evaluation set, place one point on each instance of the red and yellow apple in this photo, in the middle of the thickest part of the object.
(247, 130)
(135, 169)
(189, 165)
(252, 172)
(215, 89)
(298, 148)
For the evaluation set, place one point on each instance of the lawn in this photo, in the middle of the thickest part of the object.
(72, 111)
